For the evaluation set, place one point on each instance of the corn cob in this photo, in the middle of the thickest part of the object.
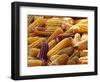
(68, 51)
(36, 43)
(43, 51)
(29, 58)
(53, 22)
(31, 35)
(33, 52)
(67, 22)
(82, 21)
(32, 58)
(62, 36)
(83, 60)
(51, 44)
(84, 36)
(52, 58)
(76, 53)
(32, 39)
(38, 22)
(56, 32)
(52, 28)
(78, 28)
(83, 27)
(30, 19)
(61, 60)
(76, 21)
(62, 44)
(83, 53)
(73, 60)
(77, 38)
(34, 63)
(82, 45)
(42, 33)
(39, 28)
(36, 17)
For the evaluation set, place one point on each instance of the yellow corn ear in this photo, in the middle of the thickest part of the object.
(36, 17)
(51, 44)
(32, 39)
(51, 29)
(78, 28)
(83, 60)
(83, 21)
(67, 22)
(53, 22)
(83, 28)
(83, 53)
(32, 58)
(33, 52)
(54, 57)
(82, 45)
(38, 22)
(62, 44)
(30, 19)
(31, 34)
(34, 63)
(37, 43)
(56, 32)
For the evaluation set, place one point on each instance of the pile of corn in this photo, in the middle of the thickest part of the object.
(57, 40)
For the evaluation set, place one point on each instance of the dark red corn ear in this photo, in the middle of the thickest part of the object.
(62, 36)
(43, 51)
(39, 29)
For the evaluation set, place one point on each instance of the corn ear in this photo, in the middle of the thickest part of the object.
(62, 44)
(78, 28)
(56, 32)
(84, 36)
(53, 22)
(73, 60)
(32, 39)
(52, 58)
(61, 60)
(83, 53)
(68, 51)
(30, 19)
(51, 44)
(36, 43)
(82, 45)
(38, 22)
(33, 52)
(67, 22)
(31, 58)
(77, 38)
(34, 63)
(42, 33)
